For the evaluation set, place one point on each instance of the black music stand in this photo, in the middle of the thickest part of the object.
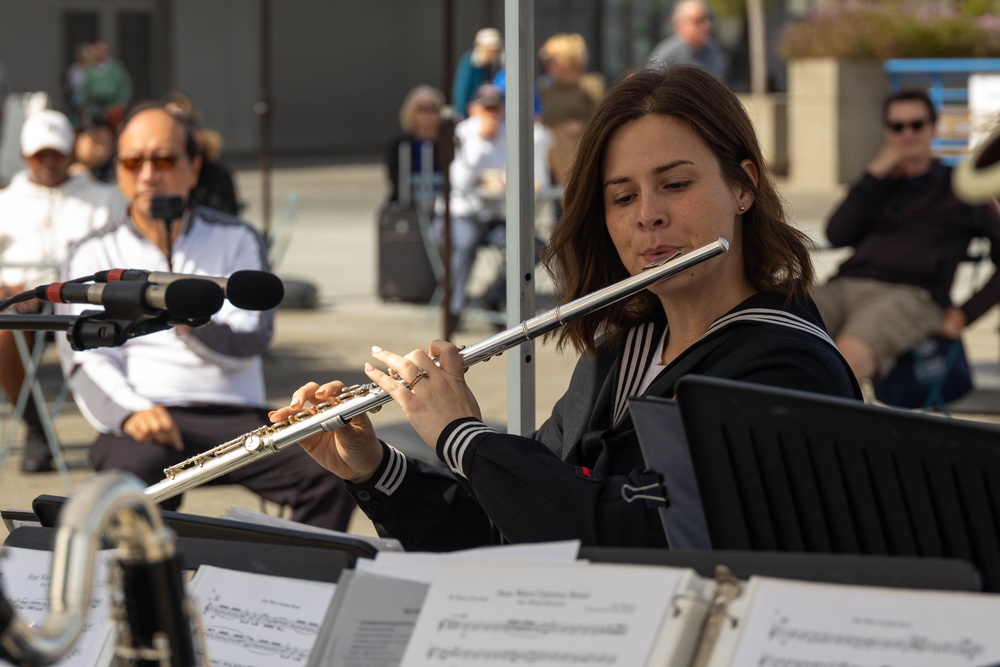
(47, 510)
(280, 560)
(782, 470)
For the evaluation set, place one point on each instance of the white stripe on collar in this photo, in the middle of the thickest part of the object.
(639, 343)
(770, 316)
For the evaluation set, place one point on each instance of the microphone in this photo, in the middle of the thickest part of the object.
(246, 289)
(187, 298)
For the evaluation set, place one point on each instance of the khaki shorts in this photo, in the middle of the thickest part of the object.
(890, 317)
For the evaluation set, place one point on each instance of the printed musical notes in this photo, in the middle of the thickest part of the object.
(777, 622)
(255, 620)
(26, 576)
(480, 613)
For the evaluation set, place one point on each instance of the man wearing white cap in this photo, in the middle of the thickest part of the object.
(477, 66)
(42, 211)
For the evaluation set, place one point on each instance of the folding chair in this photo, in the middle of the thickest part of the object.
(32, 386)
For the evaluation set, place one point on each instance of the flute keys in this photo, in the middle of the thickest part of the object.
(253, 442)
(299, 416)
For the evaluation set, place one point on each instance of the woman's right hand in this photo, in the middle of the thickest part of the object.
(351, 452)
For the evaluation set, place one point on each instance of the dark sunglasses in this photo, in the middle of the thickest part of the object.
(160, 162)
(915, 125)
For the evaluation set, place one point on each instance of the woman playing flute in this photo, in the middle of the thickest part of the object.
(668, 163)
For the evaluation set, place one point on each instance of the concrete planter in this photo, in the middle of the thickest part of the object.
(834, 112)
(769, 113)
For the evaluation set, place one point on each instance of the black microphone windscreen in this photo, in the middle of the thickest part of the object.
(192, 298)
(255, 290)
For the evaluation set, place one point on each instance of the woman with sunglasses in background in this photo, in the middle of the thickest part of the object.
(909, 233)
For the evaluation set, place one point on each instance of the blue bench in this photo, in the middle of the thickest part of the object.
(947, 83)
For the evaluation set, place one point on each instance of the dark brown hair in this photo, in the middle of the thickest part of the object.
(580, 254)
(909, 96)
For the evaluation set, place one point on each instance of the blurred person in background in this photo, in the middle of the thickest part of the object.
(107, 88)
(477, 207)
(216, 187)
(75, 79)
(692, 42)
(43, 210)
(477, 66)
(568, 96)
(909, 233)
(95, 151)
(477, 176)
(420, 121)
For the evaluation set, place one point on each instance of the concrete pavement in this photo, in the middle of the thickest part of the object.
(325, 229)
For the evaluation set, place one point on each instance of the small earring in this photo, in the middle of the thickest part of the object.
(742, 208)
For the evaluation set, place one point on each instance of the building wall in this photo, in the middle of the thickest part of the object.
(30, 46)
(339, 69)
(214, 58)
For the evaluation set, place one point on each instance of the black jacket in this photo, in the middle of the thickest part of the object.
(915, 232)
(566, 482)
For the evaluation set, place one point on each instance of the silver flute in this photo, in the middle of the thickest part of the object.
(359, 399)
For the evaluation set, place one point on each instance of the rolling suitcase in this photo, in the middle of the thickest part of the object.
(404, 267)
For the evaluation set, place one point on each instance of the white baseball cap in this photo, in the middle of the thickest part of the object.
(489, 38)
(47, 129)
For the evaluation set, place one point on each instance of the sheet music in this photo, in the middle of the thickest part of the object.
(370, 621)
(423, 566)
(376, 605)
(26, 575)
(486, 613)
(796, 624)
(257, 620)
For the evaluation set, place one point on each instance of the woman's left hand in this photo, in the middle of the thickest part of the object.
(437, 393)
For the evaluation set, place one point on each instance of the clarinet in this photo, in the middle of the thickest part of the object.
(359, 399)
(150, 606)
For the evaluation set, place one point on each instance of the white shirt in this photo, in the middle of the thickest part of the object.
(38, 223)
(217, 364)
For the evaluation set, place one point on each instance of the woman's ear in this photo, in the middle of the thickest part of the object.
(745, 196)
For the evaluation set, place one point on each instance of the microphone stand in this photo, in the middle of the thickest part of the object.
(96, 328)
(124, 316)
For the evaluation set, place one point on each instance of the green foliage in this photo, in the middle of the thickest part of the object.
(729, 8)
(857, 29)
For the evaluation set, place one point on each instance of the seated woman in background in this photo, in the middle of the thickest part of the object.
(420, 120)
(569, 94)
(216, 187)
(669, 162)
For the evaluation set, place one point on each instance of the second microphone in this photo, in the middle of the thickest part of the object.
(246, 289)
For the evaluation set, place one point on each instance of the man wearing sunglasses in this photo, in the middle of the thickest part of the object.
(42, 211)
(165, 397)
(909, 234)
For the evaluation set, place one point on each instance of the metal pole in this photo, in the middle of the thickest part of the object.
(263, 109)
(519, 39)
(446, 145)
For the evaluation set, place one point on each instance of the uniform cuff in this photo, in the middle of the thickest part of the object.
(457, 443)
(383, 483)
